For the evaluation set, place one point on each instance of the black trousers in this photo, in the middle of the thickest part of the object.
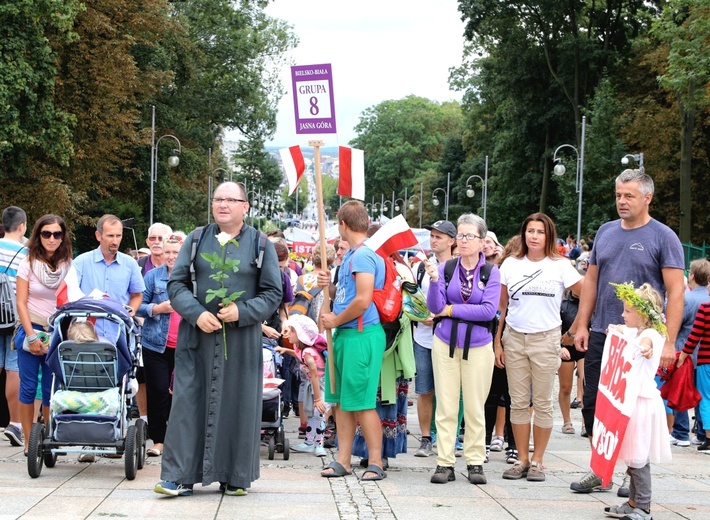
(158, 372)
(592, 372)
(499, 388)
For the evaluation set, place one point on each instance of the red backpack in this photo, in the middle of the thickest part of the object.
(387, 300)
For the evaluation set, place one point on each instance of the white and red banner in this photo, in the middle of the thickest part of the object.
(69, 290)
(619, 385)
(294, 166)
(391, 237)
(351, 181)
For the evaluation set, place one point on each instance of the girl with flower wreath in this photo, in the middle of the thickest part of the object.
(646, 438)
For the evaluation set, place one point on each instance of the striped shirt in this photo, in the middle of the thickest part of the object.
(700, 335)
(11, 252)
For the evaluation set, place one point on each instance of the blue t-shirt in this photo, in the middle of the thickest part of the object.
(631, 255)
(358, 260)
(119, 279)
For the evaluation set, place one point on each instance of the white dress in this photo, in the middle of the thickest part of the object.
(646, 438)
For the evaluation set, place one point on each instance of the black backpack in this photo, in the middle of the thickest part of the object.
(8, 298)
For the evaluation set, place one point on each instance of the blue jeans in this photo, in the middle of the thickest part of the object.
(29, 365)
(681, 426)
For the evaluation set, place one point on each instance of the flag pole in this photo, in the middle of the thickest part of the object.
(316, 144)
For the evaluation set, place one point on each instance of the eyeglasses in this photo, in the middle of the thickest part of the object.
(230, 201)
(470, 236)
(58, 235)
(155, 239)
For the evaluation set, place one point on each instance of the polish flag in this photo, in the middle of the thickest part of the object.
(391, 237)
(68, 290)
(352, 173)
(293, 162)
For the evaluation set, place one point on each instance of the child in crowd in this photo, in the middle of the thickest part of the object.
(646, 438)
(82, 332)
(309, 345)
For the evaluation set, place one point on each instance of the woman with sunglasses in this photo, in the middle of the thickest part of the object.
(159, 338)
(462, 351)
(38, 278)
(527, 344)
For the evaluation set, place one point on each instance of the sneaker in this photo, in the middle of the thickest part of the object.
(678, 442)
(517, 472)
(319, 451)
(14, 435)
(624, 491)
(535, 473)
(695, 441)
(443, 474)
(303, 448)
(497, 443)
(172, 489)
(511, 456)
(488, 455)
(705, 446)
(233, 491)
(86, 457)
(589, 482)
(458, 449)
(475, 474)
(425, 449)
(638, 514)
(618, 511)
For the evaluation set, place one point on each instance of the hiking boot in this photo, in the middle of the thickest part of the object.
(589, 482)
(618, 511)
(14, 435)
(173, 489)
(624, 488)
(425, 449)
(535, 473)
(475, 474)
(511, 456)
(443, 474)
(517, 472)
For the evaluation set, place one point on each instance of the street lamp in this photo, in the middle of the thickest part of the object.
(210, 188)
(484, 196)
(560, 170)
(173, 160)
(399, 204)
(435, 200)
(411, 206)
(638, 157)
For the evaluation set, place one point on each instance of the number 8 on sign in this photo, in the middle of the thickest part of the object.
(313, 99)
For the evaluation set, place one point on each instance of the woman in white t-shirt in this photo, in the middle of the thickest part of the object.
(528, 344)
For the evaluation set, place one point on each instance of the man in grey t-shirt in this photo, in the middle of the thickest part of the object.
(636, 248)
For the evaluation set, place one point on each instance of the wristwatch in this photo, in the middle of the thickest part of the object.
(569, 335)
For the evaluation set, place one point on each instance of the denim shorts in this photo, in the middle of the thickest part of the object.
(8, 355)
(424, 380)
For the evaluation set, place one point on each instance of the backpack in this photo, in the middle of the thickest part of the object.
(8, 298)
(260, 246)
(388, 300)
(303, 300)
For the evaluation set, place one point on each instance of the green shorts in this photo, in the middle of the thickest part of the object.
(357, 357)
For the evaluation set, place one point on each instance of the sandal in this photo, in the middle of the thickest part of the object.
(379, 473)
(338, 470)
(153, 452)
(568, 428)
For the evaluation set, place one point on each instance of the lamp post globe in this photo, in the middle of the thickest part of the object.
(559, 169)
(435, 202)
(624, 161)
(470, 193)
(173, 161)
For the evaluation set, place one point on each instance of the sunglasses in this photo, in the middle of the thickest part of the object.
(58, 235)
(155, 239)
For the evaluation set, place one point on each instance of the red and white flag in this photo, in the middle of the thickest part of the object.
(391, 237)
(352, 173)
(69, 290)
(294, 165)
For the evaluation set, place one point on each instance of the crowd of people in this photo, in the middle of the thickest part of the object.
(504, 323)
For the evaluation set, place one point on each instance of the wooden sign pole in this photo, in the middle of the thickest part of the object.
(324, 257)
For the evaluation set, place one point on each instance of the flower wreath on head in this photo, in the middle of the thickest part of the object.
(627, 294)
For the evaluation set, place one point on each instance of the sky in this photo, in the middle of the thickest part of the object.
(379, 50)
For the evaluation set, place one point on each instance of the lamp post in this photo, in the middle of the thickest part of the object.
(484, 196)
(435, 200)
(399, 204)
(210, 187)
(560, 169)
(173, 160)
(638, 157)
(411, 206)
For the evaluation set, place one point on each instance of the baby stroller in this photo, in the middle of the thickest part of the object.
(272, 427)
(89, 407)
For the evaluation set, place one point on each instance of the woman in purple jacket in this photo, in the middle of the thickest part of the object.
(462, 352)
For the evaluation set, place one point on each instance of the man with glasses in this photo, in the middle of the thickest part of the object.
(214, 430)
(156, 233)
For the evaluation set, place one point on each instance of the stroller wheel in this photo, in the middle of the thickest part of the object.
(130, 453)
(287, 449)
(272, 447)
(34, 452)
(141, 428)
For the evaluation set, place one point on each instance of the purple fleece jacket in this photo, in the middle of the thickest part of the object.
(481, 306)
